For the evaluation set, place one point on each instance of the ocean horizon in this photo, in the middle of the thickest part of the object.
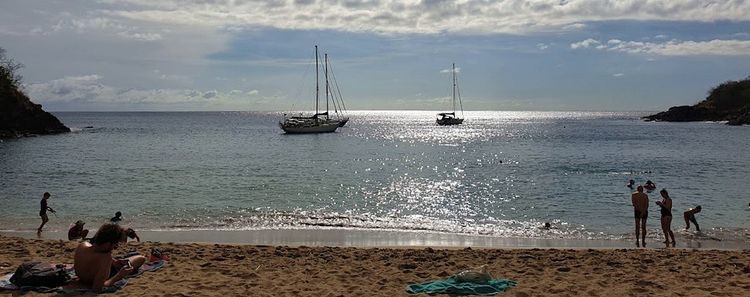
(502, 174)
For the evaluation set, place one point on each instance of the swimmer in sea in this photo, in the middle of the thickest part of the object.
(630, 184)
(649, 186)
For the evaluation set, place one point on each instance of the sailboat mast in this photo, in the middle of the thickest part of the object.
(454, 88)
(317, 90)
(326, 72)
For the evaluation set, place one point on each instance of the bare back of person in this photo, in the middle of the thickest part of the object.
(91, 266)
(640, 202)
(93, 262)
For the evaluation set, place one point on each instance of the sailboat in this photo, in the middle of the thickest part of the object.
(450, 118)
(319, 122)
(335, 97)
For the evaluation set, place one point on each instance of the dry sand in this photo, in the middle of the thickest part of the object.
(245, 270)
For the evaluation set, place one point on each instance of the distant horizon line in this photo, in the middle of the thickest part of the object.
(353, 110)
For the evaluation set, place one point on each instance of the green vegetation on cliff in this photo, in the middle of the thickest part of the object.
(729, 102)
(18, 115)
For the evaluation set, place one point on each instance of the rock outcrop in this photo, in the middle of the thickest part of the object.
(21, 117)
(729, 102)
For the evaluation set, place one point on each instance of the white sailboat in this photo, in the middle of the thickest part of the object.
(335, 97)
(319, 122)
(450, 118)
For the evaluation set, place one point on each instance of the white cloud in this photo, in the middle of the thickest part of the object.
(584, 44)
(140, 36)
(618, 74)
(542, 46)
(458, 69)
(672, 48)
(413, 16)
(66, 22)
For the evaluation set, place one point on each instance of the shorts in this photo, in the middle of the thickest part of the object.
(637, 214)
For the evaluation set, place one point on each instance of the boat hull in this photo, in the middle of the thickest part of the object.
(449, 121)
(311, 129)
(343, 122)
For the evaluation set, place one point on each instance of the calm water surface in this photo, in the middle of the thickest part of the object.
(500, 174)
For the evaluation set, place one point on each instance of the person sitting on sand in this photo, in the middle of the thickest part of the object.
(77, 232)
(43, 211)
(630, 184)
(640, 211)
(117, 218)
(649, 186)
(689, 216)
(666, 216)
(93, 262)
(132, 235)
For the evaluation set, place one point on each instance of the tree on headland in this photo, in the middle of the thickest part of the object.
(9, 71)
(728, 95)
(18, 115)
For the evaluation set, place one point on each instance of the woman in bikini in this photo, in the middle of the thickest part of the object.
(666, 216)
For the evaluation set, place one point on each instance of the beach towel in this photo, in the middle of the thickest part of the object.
(452, 286)
(75, 286)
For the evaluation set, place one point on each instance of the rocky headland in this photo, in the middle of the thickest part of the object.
(18, 115)
(729, 102)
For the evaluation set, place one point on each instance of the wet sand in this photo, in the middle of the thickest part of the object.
(251, 270)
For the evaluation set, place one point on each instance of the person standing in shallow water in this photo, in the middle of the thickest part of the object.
(640, 211)
(689, 216)
(43, 211)
(666, 216)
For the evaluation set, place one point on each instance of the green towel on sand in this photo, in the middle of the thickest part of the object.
(454, 287)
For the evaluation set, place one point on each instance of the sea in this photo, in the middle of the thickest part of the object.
(500, 174)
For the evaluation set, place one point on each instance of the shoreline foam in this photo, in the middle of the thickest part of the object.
(390, 239)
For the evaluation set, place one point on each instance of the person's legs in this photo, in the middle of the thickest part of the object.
(637, 232)
(692, 219)
(687, 221)
(669, 228)
(45, 219)
(665, 230)
(136, 261)
(643, 230)
(84, 233)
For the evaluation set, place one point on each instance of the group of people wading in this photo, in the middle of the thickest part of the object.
(640, 212)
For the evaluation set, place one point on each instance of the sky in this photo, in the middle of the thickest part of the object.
(168, 55)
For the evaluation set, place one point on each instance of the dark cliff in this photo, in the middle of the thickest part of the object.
(18, 115)
(729, 102)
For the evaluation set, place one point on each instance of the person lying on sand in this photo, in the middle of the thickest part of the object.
(689, 216)
(77, 232)
(93, 262)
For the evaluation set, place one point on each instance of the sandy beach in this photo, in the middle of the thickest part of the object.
(253, 270)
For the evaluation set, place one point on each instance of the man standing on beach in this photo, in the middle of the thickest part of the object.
(43, 211)
(640, 210)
